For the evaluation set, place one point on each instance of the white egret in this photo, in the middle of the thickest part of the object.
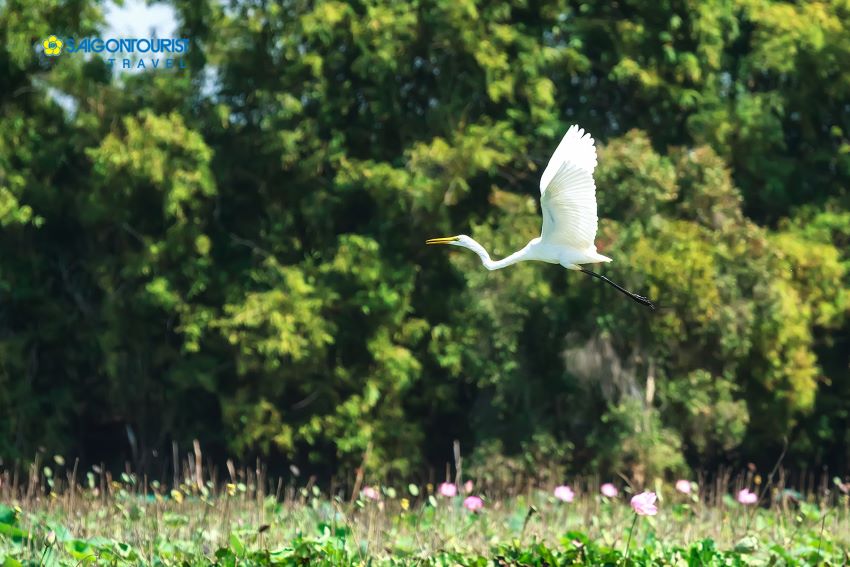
(568, 200)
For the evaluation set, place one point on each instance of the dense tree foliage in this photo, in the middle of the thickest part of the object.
(234, 252)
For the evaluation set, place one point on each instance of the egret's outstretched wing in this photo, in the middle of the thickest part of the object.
(569, 208)
(576, 147)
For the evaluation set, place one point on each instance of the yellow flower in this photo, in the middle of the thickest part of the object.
(177, 496)
(52, 46)
(405, 504)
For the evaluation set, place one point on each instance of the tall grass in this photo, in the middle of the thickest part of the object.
(205, 511)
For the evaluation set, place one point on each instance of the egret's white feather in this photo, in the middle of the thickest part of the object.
(576, 147)
(569, 209)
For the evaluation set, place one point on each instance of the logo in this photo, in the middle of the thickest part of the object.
(126, 53)
(52, 46)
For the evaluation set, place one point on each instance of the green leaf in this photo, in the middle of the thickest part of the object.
(236, 545)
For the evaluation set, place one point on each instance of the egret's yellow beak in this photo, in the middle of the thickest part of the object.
(443, 240)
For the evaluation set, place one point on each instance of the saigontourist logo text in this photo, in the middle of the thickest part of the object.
(127, 53)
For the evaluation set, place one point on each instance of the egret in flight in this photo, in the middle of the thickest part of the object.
(568, 200)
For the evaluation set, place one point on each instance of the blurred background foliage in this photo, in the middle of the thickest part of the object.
(234, 252)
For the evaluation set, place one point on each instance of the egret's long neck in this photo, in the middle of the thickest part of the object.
(490, 264)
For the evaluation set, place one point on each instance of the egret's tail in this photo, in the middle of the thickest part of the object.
(590, 257)
(593, 256)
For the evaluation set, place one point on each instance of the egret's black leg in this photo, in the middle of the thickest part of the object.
(639, 298)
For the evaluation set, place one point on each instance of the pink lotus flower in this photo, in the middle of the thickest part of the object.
(644, 504)
(370, 493)
(564, 493)
(746, 497)
(473, 503)
(467, 486)
(609, 490)
(448, 490)
(683, 486)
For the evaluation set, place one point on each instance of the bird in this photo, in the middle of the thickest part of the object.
(568, 203)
